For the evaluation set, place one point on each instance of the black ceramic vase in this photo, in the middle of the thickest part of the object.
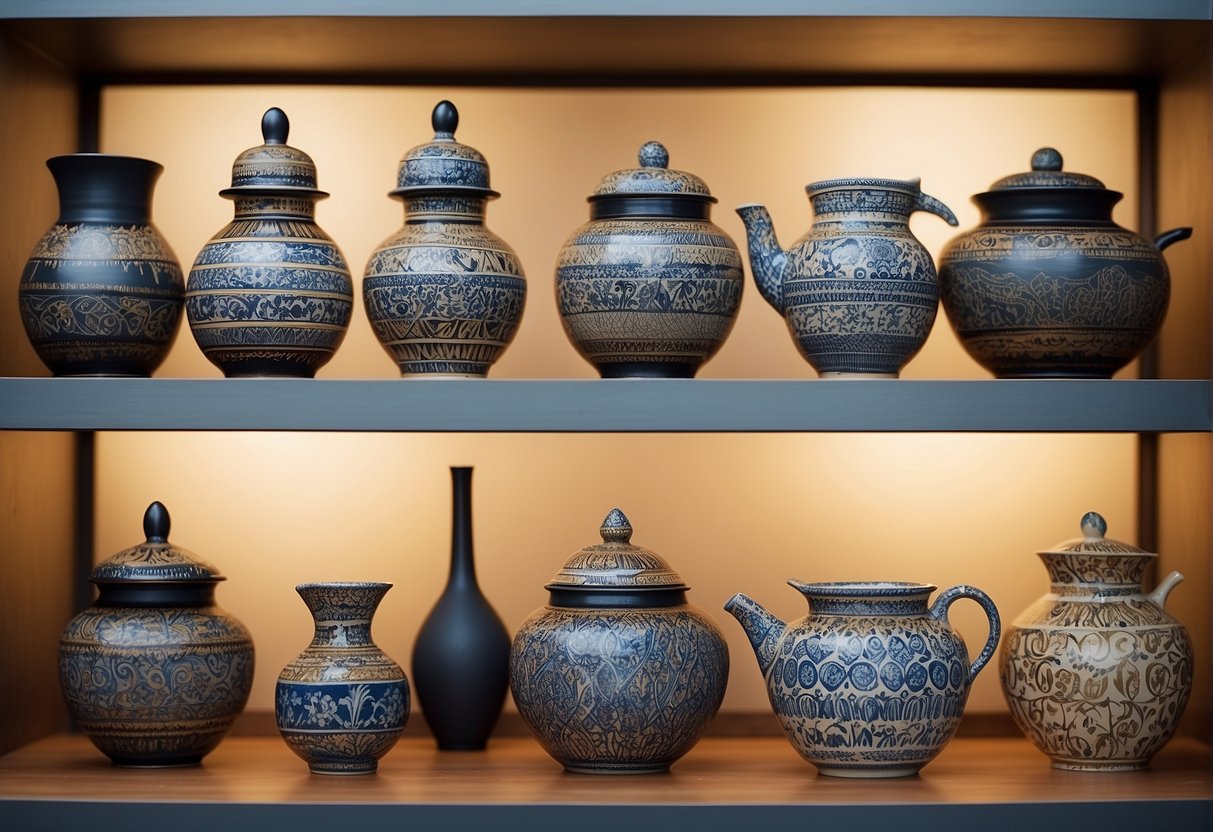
(461, 661)
(102, 292)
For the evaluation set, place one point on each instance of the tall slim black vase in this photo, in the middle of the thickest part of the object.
(461, 661)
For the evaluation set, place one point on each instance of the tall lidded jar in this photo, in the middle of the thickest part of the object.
(650, 286)
(1096, 672)
(271, 294)
(444, 294)
(618, 674)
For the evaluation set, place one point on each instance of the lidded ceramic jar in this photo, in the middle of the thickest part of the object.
(154, 673)
(618, 674)
(1096, 672)
(1048, 285)
(649, 287)
(270, 294)
(444, 294)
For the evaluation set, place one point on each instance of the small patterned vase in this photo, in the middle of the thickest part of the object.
(101, 295)
(618, 674)
(1048, 286)
(874, 682)
(649, 287)
(342, 703)
(859, 292)
(154, 673)
(270, 294)
(444, 294)
(1096, 672)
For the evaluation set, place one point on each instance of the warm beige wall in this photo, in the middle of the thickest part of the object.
(733, 513)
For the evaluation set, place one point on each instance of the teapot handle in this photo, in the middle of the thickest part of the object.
(1173, 236)
(924, 202)
(940, 610)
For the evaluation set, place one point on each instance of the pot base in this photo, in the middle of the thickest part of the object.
(1095, 765)
(647, 369)
(346, 769)
(867, 773)
(856, 375)
(619, 768)
(168, 762)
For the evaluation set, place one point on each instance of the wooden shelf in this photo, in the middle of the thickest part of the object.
(63, 782)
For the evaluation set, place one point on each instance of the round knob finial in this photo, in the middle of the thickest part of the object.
(1094, 526)
(445, 120)
(616, 528)
(654, 155)
(275, 126)
(1046, 159)
(156, 521)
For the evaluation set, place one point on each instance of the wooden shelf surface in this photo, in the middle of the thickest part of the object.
(64, 779)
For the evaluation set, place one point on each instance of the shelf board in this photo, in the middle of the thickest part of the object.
(723, 784)
(596, 406)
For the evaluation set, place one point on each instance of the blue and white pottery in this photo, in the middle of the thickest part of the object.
(271, 294)
(618, 674)
(874, 681)
(1048, 286)
(342, 703)
(102, 292)
(154, 673)
(859, 291)
(649, 287)
(444, 294)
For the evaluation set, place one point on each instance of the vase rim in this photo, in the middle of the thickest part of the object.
(344, 585)
(121, 156)
(864, 589)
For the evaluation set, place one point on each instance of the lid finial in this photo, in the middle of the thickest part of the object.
(275, 126)
(156, 523)
(1094, 527)
(1046, 159)
(445, 120)
(654, 155)
(616, 528)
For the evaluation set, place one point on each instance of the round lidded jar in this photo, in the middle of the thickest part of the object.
(649, 287)
(618, 674)
(1048, 285)
(154, 673)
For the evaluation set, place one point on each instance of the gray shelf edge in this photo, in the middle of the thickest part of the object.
(594, 406)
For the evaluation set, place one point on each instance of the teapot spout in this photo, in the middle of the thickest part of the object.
(767, 259)
(1173, 236)
(764, 629)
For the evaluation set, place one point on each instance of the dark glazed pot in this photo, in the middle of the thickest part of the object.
(1048, 286)
(444, 294)
(461, 661)
(270, 294)
(101, 295)
(154, 673)
(618, 674)
(649, 287)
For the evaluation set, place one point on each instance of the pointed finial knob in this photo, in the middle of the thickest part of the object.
(445, 120)
(1094, 526)
(156, 523)
(275, 126)
(654, 155)
(616, 528)
(1046, 159)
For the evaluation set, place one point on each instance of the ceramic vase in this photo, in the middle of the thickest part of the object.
(461, 660)
(444, 294)
(873, 682)
(1048, 286)
(859, 292)
(649, 287)
(270, 294)
(342, 703)
(618, 674)
(101, 295)
(154, 673)
(1096, 672)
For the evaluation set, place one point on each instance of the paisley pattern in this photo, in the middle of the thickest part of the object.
(654, 296)
(618, 691)
(155, 686)
(1063, 301)
(270, 295)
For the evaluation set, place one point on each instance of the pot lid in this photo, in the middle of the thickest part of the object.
(444, 164)
(1094, 527)
(616, 562)
(155, 559)
(1047, 173)
(274, 167)
(653, 177)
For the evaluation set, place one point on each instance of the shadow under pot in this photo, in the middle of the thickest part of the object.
(618, 674)
(102, 292)
(1048, 286)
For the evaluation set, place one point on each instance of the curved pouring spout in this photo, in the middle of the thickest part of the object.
(767, 259)
(764, 629)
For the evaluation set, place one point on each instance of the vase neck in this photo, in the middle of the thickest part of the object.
(444, 208)
(342, 634)
(1072, 570)
(885, 206)
(342, 612)
(274, 206)
(463, 565)
(115, 190)
(875, 598)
